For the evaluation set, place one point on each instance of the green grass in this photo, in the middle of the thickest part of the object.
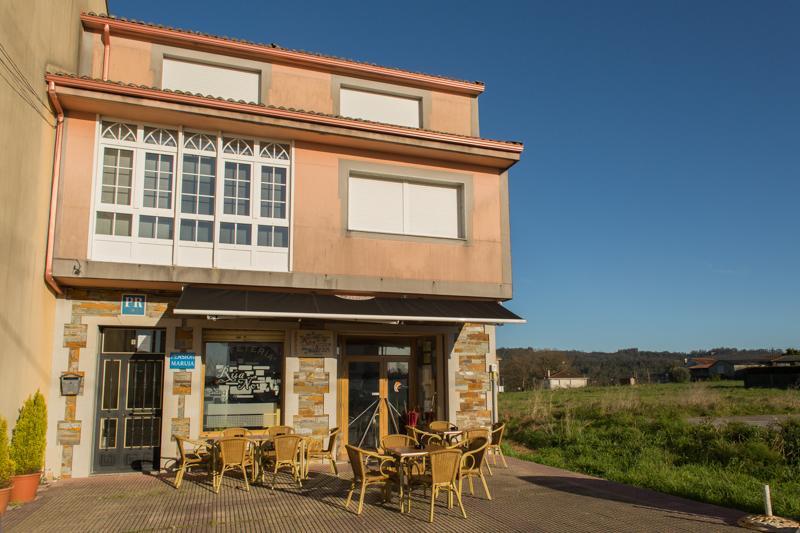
(640, 436)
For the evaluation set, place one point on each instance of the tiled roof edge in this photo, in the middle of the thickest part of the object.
(479, 84)
(516, 144)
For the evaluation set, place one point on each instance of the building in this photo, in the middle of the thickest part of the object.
(730, 366)
(35, 35)
(564, 379)
(247, 235)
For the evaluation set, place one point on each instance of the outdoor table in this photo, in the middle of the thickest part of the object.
(259, 439)
(402, 454)
(449, 434)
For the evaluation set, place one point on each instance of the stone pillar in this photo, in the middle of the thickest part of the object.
(472, 380)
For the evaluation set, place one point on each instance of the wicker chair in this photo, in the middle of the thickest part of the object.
(275, 431)
(234, 432)
(472, 464)
(397, 440)
(364, 476)
(286, 454)
(198, 455)
(495, 446)
(316, 451)
(441, 425)
(445, 465)
(234, 454)
(425, 438)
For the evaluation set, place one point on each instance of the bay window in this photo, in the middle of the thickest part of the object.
(158, 199)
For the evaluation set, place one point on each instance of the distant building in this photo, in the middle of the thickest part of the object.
(774, 376)
(727, 367)
(564, 379)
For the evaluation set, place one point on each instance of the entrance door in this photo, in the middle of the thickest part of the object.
(128, 420)
(378, 393)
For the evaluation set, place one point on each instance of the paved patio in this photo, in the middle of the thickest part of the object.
(527, 497)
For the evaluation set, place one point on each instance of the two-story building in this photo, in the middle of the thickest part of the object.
(247, 235)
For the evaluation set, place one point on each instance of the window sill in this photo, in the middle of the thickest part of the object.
(406, 237)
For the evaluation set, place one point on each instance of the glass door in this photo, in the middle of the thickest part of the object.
(378, 385)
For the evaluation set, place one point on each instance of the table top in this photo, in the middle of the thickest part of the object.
(251, 436)
(405, 451)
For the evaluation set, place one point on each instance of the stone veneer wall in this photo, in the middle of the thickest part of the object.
(472, 379)
(311, 384)
(105, 303)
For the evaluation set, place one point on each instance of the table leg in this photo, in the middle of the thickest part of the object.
(401, 480)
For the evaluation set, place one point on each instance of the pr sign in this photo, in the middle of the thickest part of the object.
(181, 360)
(133, 304)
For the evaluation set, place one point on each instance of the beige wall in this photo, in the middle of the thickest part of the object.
(36, 35)
(134, 61)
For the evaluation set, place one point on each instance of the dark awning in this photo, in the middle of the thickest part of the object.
(248, 303)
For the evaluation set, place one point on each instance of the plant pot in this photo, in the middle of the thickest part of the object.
(25, 487)
(5, 497)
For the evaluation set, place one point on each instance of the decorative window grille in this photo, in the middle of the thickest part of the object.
(160, 136)
(237, 146)
(200, 142)
(119, 131)
(275, 151)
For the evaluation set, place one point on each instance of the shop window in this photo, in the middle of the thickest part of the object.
(242, 384)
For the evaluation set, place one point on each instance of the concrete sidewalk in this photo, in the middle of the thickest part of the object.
(526, 497)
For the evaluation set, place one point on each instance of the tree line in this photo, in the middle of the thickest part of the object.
(524, 368)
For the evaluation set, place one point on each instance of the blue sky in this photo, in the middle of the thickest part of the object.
(656, 204)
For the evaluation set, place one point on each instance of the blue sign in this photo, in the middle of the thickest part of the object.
(133, 304)
(181, 360)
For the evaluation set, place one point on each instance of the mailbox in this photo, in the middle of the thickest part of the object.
(71, 384)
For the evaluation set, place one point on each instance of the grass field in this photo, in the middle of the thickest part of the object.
(640, 436)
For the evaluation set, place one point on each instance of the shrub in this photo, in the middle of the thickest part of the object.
(6, 464)
(29, 437)
(679, 374)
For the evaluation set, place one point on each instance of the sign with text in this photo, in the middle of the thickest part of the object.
(133, 304)
(181, 360)
(314, 343)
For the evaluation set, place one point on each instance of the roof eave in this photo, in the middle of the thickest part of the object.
(507, 150)
(169, 36)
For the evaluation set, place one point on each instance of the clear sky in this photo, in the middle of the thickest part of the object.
(656, 204)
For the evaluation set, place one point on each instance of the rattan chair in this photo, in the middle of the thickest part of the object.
(472, 464)
(425, 438)
(234, 432)
(275, 431)
(441, 425)
(397, 440)
(364, 476)
(234, 454)
(495, 445)
(198, 455)
(286, 454)
(316, 451)
(445, 465)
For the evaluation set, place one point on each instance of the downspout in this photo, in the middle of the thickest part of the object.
(51, 227)
(106, 50)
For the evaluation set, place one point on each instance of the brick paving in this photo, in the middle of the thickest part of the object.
(527, 497)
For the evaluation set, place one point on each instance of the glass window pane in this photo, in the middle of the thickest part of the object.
(207, 166)
(243, 207)
(165, 182)
(228, 403)
(107, 195)
(109, 176)
(280, 175)
(205, 205)
(279, 211)
(229, 189)
(230, 170)
(206, 185)
(149, 199)
(228, 207)
(150, 162)
(190, 164)
(110, 157)
(243, 234)
(264, 236)
(187, 204)
(280, 193)
(226, 230)
(205, 231)
(126, 159)
(147, 226)
(164, 230)
(281, 239)
(166, 164)
(149, 180)
(187, 230)
(104, 223)
(124, 196)
(164, 200)
(122, 225)
(189, 184)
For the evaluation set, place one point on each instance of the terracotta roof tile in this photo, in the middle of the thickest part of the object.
(266, 106)
(271, 45)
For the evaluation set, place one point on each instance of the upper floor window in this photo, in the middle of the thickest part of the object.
(405, 207)
(168, 196)
(380, 107)
(210, 80)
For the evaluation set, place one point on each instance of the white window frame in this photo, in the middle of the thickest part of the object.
(284, 150)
